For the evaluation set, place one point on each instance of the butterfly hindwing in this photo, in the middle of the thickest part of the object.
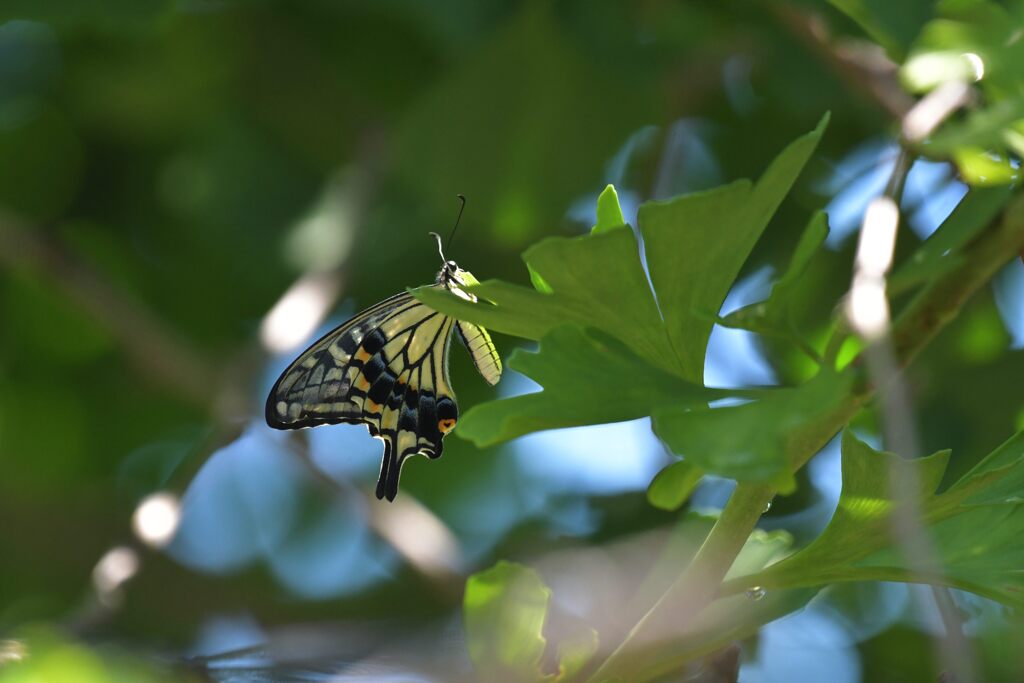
(386, 368)
(476, 339)
(481, 350)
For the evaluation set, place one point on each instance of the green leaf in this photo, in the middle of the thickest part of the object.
(696, 245)
(574, 652)
(978, 41)
(999, 477)
(596, 281)
(982, 168)
(940, 252)
(752, 441)
(504, 611)
(650, 353)
(987, 32)
(673, 485)
(538, 282)
(972, 530)
(42, 655)
(810, 243)
(774, 316)
(609, 213)
(982, 128)
(574, 393)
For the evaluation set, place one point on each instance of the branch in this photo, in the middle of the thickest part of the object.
(153, 348)
(868, 314)
(863, 66)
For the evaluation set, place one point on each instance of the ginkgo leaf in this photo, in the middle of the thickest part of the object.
(774, 315)
(588, 377)
(695, 246)
(752, 441)
(609, 213)
(672, 486)
(697, 243)
(631, 351)
(595, 281)
(972, 530)
(941, 251)
(504, 612)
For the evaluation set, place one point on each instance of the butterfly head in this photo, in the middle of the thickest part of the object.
(450, 272)
(452, 277)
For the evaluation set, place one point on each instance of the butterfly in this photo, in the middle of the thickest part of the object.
(387, 368)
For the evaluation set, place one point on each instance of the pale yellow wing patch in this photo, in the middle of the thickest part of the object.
(477, 339)
(481, 350)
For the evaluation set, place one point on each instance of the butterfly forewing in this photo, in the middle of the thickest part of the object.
(386, 368)
(317, 387)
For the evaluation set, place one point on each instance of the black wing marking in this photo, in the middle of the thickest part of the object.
(386, 368)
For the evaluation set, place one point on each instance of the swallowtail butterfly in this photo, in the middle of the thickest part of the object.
(386, 368)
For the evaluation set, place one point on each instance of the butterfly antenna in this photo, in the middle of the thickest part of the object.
(440, 249)
(462, 207)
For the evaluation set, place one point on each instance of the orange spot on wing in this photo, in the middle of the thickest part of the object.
(362, 356)
(446, 426)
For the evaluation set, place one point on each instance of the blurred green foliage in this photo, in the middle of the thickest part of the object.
(42, 655)
(505, 608)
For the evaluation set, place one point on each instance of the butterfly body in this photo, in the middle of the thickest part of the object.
(386, 368)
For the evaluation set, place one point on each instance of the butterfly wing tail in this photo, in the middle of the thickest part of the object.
(390, 468)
